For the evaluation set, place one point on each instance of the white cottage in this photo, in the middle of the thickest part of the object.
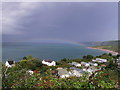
(93, 64)
(85, 64)
(9, 63)
(99, 60)
(49, 62)
(76, 64)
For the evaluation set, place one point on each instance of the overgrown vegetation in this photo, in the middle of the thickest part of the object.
(17, 77)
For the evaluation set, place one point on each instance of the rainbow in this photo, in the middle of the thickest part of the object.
(52, 40)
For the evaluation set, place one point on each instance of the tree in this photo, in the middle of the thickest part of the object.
(25, 58)
(84, 57)
(110, 54)
(29, 57)
(64, 59)
(118, 56)
(88, 57)
(111, 65)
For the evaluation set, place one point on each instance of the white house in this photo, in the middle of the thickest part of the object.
(85, 64)
(9, 63)
(49, 62)
(76, 64)
(99, 60)
(63, 73)
(93, 64)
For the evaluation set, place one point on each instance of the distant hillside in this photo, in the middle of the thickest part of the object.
(116, 42)
(104, 43)
(92, 43)
(110, 45)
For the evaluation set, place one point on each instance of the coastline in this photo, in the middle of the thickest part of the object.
(106, 50)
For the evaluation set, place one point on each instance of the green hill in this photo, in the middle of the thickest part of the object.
(110, 45)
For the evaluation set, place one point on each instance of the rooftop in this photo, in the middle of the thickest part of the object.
(48, 61)
(11, 62)
(80, 70)
(62, 71)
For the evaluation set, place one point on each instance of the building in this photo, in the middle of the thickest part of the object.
(49, 62)
(63, 73)
(99, 60)
(85, 64)
(76, 72)
(103, 65)
(91, 69)
(118, 62)
(76, 64)
(93, 64)
(9, 63)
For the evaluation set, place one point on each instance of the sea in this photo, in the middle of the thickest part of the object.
(54, 51)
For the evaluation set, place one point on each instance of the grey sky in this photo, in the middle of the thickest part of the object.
(76, 22)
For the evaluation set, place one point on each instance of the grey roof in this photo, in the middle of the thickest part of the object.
(48, 61)
(11, 62)
(79, 70)
(63, 72)
(93, 68)
(72, 68)
(75, 63)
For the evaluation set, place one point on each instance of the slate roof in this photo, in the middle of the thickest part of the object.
(79, 70)
(48, 61)
(63, 72)
(11, 62)
(75, 63)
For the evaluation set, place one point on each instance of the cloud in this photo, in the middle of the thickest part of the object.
(12, 13)
(67, 21)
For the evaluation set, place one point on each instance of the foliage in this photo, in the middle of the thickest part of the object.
(29, 57)
(105, 79)
(88, 58)
(23, 61)
(64, 59)
(17, 77)
(111, 65)
(24, 58)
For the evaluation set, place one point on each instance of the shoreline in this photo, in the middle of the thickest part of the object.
(106, 50)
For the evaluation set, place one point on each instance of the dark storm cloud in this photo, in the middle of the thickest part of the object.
(66, 21)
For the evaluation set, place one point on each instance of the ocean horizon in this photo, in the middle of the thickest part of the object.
(54, 51)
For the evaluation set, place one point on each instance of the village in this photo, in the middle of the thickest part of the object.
(75, 69)
(88, 72)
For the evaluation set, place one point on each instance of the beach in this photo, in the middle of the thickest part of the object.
(108, 51)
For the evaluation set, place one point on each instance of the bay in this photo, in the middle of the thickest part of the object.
(55, 51)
